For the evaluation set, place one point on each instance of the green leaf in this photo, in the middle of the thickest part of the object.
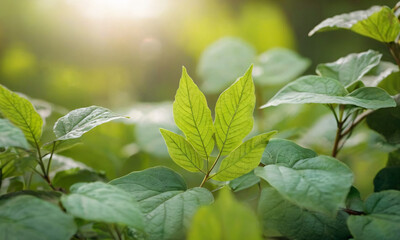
(295, 222)
(391, 119)
(182, 152)
(79, 121)
(279, 65)
(244, 158)
(226, 219)
(391, 83)
(165, 200)
(193, 116)
(244, 182)
(223, 61)
(65, 179)
(234, 113)
(103, 203)
(317, 183)
(316, 89)
(381, 220)
(18, 166)
(351, 68)
(353, 200)
(21, 113)
(11, 136)
(387, 178)
(27, 217)
(378, 23)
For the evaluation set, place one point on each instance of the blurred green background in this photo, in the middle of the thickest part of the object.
(127, 55)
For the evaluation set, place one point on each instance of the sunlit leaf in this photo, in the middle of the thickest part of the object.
(295, 222)
(226, 219)
(351, 68)
(102, 202)
(79, 121)
(378, 23)
(165, 200)
(244, 158)
(11, 136)
(21, 113)
(279, 65)
(182, 152)
(27, 217)
(193, 116)
(223, 61)
(234, 113)
(298, 177)
(381, 220)
(391, 83)
(316, 89)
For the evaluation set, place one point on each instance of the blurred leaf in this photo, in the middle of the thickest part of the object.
(394, 158)
(378, 23)
(387, 178)
(27, 217)
(295, 222)
(193, 116)
(103, 203)
(244, 158)
(279, 65)
(11, 136)
(381, 220)
(79, 121)
(234, 113)
(225, 219)
(49, 196)
(182, 152)
(223, 61)
(65, 179)
(298, 178)
(354, 201)
(351, 68)
(391, 83)
(391, 119)
(316, 89)
(61, 146)
(378, 73)
(15, 185)
(244, 182)
(21, 113)
(165, 200)
(18, 166)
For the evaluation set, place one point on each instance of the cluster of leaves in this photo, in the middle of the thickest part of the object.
(304, 195)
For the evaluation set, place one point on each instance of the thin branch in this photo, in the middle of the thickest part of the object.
(356, 122)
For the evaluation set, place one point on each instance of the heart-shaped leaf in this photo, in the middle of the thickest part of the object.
(193, 116)
(165, 200)
(27, 217)
(79, 121)
(298, 177)
(379, 23)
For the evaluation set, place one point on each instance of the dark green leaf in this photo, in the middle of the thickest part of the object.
(165, 200)
(298, 178)
(387, 178)
(244, 182)
(381, 220)
(65, 179)
(27, 217)
(295, 222)
(223, 61)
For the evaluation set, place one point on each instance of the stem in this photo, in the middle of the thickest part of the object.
(356, 122)
(206, 177)
(338, 131)
(353, 212)
(394, 50)
(260, 112)
(51, 157)
(45, 175)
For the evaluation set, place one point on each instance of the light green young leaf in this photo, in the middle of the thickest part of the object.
(234, 113)
(378, 23)
(298, 179)
(244, 158)
(165, 200)
(27, 217)
(391, 83)
(295, 222)
(21, 113)
(316, 89)
(273, 66)
(11, 136)
(102, 202)
(381, 220)
(226, 219)
(193, 116)
(79, 121)
(223, 61)
(351, 68)
(182, 152)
